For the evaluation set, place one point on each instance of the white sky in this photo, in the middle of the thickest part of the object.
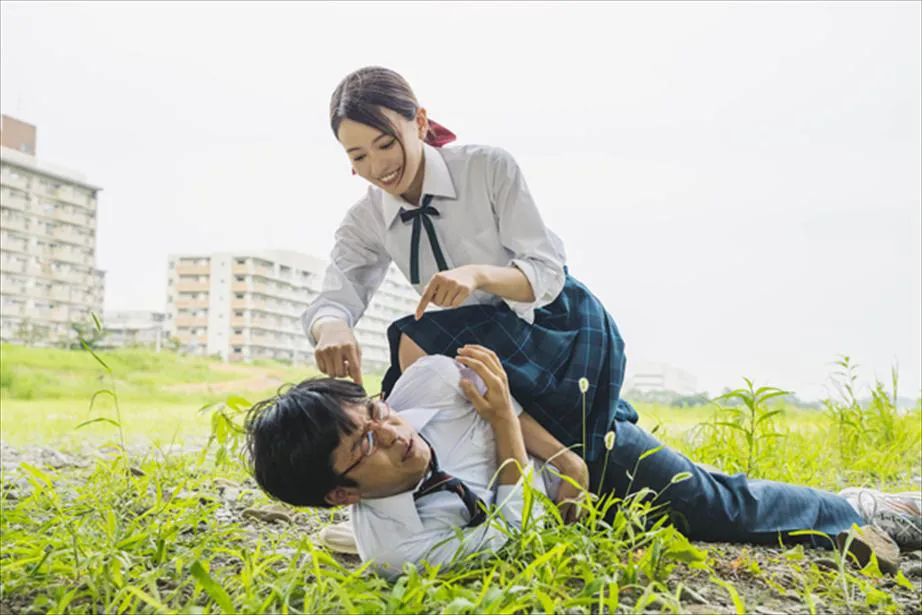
(740, 183)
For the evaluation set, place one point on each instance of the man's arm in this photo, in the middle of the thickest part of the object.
(538, 441)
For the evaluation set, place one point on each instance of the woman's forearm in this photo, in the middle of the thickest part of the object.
(506, 282)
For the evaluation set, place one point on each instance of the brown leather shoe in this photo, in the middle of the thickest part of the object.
(870, 539)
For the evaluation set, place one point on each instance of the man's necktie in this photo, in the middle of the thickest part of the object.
(420, 217)
(440, 480)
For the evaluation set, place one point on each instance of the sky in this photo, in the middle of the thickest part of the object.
(740, 183)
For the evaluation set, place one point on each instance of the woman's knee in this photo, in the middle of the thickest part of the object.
(408, 352)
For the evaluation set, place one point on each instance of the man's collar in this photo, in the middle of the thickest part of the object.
(436, 181)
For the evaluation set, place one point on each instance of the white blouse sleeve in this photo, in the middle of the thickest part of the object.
(522, 231)
(358, 267)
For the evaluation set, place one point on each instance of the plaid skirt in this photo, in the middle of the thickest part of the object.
(572, 338)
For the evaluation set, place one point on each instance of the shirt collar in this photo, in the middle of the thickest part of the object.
(436, 181)
(402, 506)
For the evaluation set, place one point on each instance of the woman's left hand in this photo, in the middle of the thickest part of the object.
(568, 496)
(450, 288)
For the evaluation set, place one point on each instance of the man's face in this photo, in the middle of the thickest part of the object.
(384, 455)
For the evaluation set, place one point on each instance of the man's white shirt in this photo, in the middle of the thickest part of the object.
(398, 529)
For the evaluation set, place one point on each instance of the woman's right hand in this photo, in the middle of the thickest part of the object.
(338, 353)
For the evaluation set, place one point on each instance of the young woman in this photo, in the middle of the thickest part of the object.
(461, 224)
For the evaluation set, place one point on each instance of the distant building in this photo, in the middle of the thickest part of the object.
(247, 305)
(48, 275)
(17, 135)
(126, 328)
(659, 378)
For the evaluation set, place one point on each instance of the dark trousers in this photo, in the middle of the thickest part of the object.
(716, 507)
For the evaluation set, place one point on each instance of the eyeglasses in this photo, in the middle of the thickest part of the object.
(378, 412)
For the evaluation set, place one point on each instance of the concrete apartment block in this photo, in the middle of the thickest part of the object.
(48, 275)
(247, 305)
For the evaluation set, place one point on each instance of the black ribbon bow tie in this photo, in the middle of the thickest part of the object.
(421, 216)
(439, 480)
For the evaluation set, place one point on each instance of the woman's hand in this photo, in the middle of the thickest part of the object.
(338, 353)
(571, 465)
(450, 288)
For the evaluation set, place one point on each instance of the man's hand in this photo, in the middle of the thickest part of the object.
(338, 353)
(571, 465)
(494, 405)
(450, 288)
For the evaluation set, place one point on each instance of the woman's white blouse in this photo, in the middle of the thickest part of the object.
(486, 217)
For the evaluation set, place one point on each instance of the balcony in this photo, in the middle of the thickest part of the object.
(239, 287)
(70, 256)
(80, 219)
(191, 303)
(13, 289)
(191, 287)
(14, 222)
(13, 310)
(238, 304)
(15, 245)
(189, 269)
(267, 308)
(237, 340)
(237, 269)
(79, 199)
(16, 181)
(238, 322)
(69, 236)
(15, 202)
(62, 315)
(191, 321)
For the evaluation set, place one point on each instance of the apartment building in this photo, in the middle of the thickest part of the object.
(659, 378)
(48, 275)
(247, 305)
(125, 328)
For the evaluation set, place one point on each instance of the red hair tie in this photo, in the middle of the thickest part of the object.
(437, 136)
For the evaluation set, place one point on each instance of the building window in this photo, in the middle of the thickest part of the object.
(238, 295)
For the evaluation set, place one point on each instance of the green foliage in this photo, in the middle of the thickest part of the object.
(745, 426)
(142, 535)
(142, 374)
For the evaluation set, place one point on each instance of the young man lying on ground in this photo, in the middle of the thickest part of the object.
(418, 468)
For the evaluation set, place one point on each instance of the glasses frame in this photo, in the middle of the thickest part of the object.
(368, 439)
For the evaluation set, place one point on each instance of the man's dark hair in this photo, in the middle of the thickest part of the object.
(290, 439)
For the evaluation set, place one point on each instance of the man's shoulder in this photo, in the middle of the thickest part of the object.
(427, 372)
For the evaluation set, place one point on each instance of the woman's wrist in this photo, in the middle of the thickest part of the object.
(507, 282)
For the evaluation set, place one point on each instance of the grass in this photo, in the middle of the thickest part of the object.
(146, 534)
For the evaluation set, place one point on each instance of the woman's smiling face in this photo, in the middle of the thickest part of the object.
(387, 162)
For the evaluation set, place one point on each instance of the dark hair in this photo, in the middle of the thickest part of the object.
(290, 439)
(361, 94)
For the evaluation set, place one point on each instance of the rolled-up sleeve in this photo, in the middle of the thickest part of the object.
(537, 253)
(358, 266)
